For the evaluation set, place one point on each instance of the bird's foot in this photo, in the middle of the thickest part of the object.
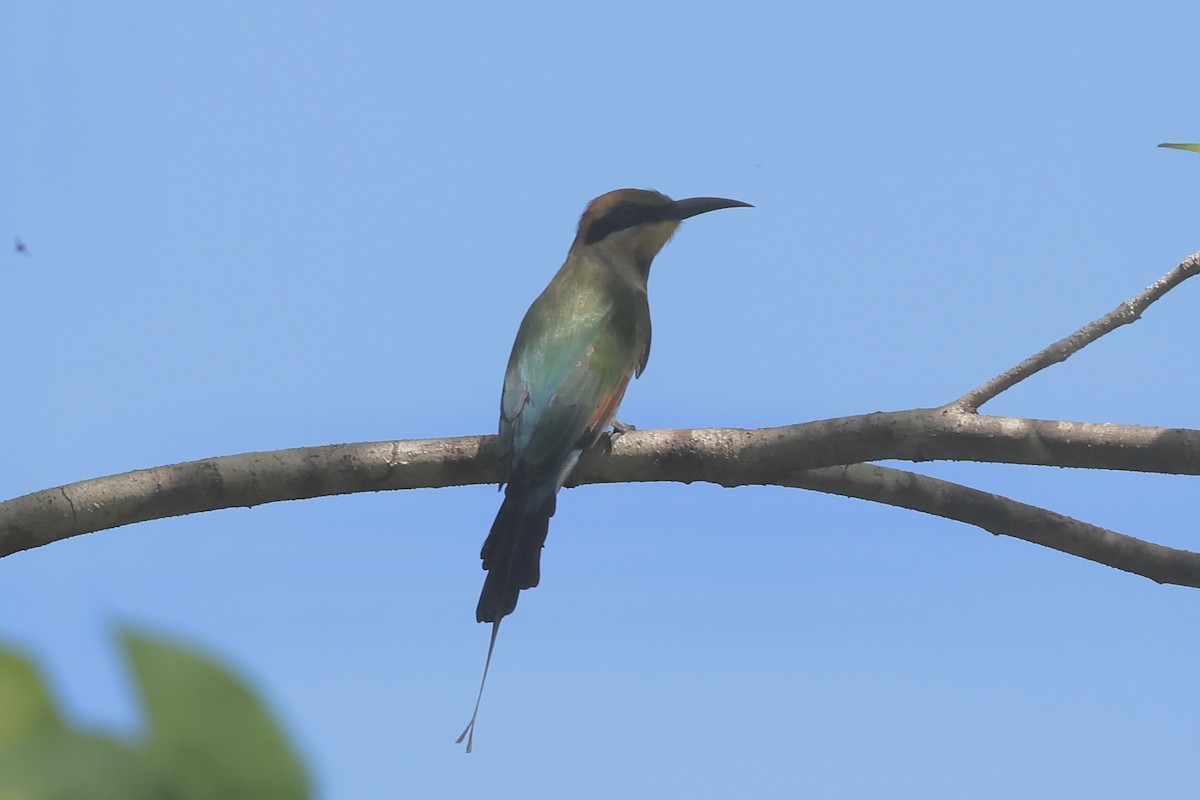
(618, 430)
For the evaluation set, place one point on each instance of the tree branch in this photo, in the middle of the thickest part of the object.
(245, 480)
(796, 455)
(1129, 311)
(826, 455)
(1003, 516)
(923, 434)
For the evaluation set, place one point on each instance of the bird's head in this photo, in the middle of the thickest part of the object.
(637, 222)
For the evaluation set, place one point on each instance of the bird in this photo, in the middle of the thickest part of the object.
(579, 344)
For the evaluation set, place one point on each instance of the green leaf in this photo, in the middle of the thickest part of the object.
(64, 765)
(1192, 147)
(26, 705)
(208, 734)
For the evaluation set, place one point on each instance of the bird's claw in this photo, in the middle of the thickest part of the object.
(618, 430)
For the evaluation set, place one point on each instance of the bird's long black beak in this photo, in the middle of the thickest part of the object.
(682, 209)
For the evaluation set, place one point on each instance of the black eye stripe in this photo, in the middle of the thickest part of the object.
(623, 216)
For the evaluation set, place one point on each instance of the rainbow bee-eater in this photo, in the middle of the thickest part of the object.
(580, 342)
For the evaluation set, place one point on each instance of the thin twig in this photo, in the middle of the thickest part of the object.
(1127, 312)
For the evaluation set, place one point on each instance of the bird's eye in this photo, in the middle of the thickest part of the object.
(619, 218)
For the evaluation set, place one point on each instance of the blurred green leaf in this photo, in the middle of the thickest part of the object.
(1193, 147)
(208, 737)
(64, 765)
(207, 732)
(25, 705)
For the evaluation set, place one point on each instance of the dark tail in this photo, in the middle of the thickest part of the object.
(512, 553)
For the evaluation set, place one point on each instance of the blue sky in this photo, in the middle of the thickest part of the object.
(254, 228)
